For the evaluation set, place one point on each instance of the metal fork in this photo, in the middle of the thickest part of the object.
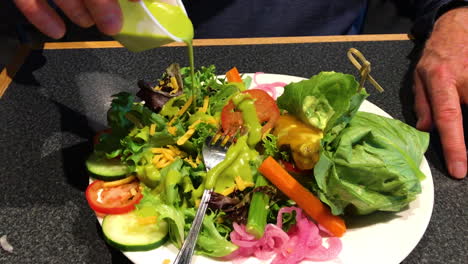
(214, 151)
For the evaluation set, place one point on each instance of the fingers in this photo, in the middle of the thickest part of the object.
(106, 14)
(447, 114)
(421, 105)
(41, 15)
(76, 11)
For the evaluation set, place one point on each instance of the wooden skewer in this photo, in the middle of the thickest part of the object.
(364, 69)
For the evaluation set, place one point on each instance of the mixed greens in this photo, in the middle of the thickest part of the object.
(354, 162)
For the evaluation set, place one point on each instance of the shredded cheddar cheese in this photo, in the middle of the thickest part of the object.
(185, 107)
(195, 124)
(170, 150)
(156, 159)
(190, 161)
(185, 137)
(188, 134)
(182, 110)
(204, 108)
(212, 121)
(241, 184)
(163, 151)
(174, 85)
(228, 190)
(168, 156)
(175, 150)
(172, 130)
(162, 163)
(118, 182)
(165, 156)
(152, 130)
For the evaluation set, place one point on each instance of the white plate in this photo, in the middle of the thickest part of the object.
(379, 238)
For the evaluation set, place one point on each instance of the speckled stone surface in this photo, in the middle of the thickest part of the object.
(59, 99)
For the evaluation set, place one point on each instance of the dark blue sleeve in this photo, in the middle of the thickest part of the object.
(427, 12)
(274, 18)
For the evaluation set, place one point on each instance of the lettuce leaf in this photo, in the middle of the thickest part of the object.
(121, 104)
(323, 101)
(270, 146)
(221, 97)
(212, 240)
(372, 165)
(152, 204)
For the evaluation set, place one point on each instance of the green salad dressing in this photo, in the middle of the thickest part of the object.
(139, 33)
(245, 104)
(236, 163)
(238, 157)
(174, 20)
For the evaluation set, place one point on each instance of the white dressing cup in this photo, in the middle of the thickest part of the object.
(149, 24)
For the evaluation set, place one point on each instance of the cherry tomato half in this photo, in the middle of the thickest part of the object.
(267, 112)
(113, 200)
(291, 168)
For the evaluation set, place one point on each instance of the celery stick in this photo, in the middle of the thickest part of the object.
(258, 210)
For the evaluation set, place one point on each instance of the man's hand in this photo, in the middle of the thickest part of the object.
(441, 85)
(106, 14)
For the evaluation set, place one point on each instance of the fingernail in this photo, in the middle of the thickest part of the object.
(111, 24)
(54, 31)
(458, 169)
(83, 19)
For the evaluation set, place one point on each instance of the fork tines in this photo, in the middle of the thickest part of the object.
(220, 140)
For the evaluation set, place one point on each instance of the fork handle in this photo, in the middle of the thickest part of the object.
(185, 254)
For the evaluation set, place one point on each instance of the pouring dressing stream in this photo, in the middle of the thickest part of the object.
(149, 24)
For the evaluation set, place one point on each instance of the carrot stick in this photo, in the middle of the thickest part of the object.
(274, 172)
(233, 75)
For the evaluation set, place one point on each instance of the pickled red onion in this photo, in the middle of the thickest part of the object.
(302, 242)
(270, 88)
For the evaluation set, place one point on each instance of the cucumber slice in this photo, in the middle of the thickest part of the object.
(106, 169)
(125, 233)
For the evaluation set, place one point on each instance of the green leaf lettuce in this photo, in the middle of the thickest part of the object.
(324, 100)
(373, 164)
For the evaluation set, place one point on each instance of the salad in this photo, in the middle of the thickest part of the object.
(299, 163)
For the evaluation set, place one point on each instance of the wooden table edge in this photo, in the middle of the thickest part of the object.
(8, 73)
(235, 41)
(10, 70)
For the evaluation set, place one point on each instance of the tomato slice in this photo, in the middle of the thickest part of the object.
(267, 112)
(113, 200)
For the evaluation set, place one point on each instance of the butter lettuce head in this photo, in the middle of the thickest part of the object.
(324, 100)
(372, 165)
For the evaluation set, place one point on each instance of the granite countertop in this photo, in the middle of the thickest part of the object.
(59, 98)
